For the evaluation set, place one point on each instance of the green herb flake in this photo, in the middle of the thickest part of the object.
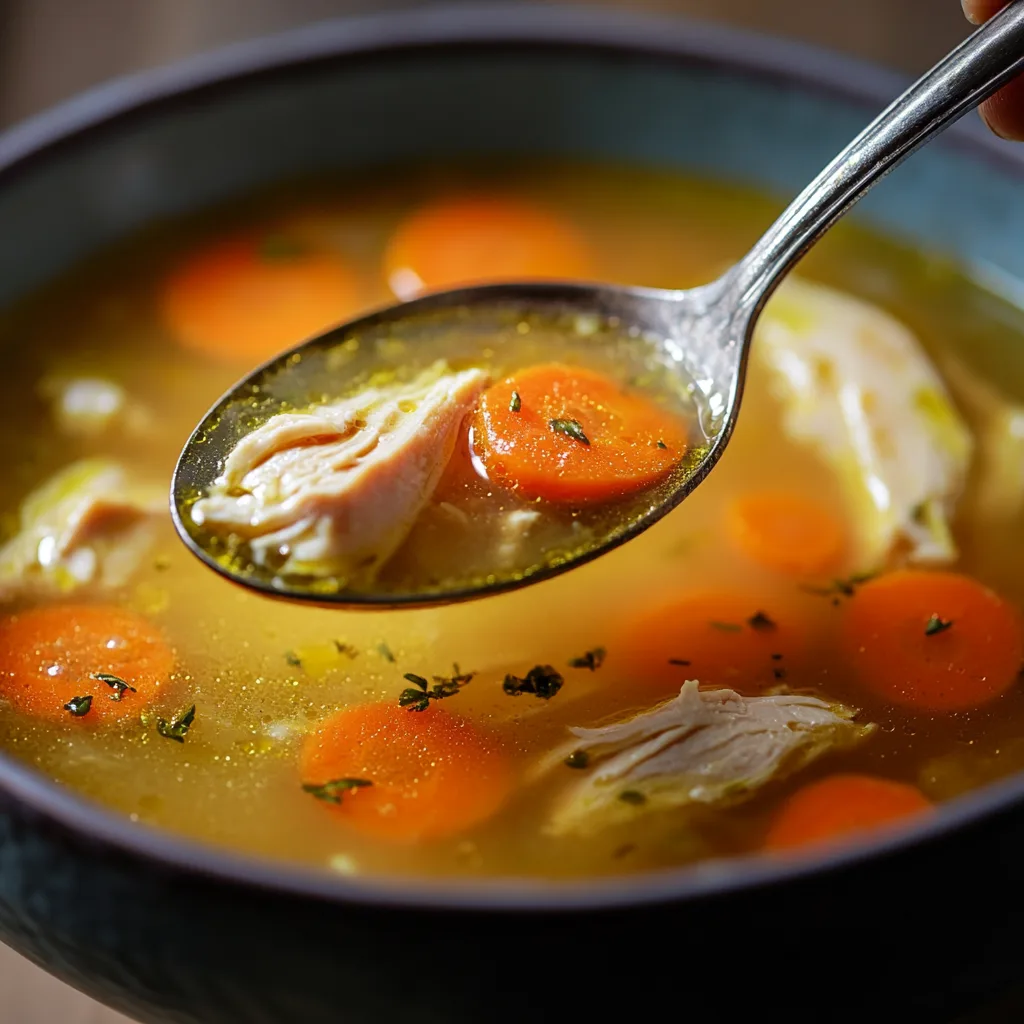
(936, 625)
(844, 588)
(571, 428)
(661, 444)
(177, 727)
(542, 681)
(79, 706)
(332, 792)
(779, 673)
(515, 402)
(444, 686)
(116, 683)
(632, 796)
(347, 649)
(385, 652)
(593, 659)
(578, 759)
(726, 627)
(760, 622)
(292, 659)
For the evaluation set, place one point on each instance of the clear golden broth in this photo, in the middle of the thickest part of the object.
(233, 784)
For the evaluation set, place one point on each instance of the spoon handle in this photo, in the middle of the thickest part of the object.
(969, 74)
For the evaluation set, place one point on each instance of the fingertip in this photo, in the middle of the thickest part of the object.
(979, 11)
(1004, 112)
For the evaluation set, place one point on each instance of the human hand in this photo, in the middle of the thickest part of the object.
(1004, 112)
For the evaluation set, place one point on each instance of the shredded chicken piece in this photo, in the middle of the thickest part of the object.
(335, 491)
(857, 387)
(92, 406)
(89, 524)
(997, 488)
(702, 747)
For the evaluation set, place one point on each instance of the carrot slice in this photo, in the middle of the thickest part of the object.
(840, 807)
(51, 655)
(567, 434)
(786, 532)
(933, 641)
(431, 773)
(721, 638)
(468, 240)
(247, 298)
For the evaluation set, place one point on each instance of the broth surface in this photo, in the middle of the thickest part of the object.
(262, 673)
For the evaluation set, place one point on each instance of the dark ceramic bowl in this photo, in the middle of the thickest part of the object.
(166, 930)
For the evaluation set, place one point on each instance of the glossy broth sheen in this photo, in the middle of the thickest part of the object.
(260, 672)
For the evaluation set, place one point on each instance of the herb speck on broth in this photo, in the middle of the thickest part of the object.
(116, 683)
(592, 659)
(936, 625)
(571, 428)
(177, 727)
(332, 792)
(79, 706)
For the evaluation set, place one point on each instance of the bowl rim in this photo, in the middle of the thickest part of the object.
(87, 115)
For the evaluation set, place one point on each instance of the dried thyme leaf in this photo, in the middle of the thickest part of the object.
(177, 727)
(578, 759)
(937, 625)
(332, 792)
(592, 659)
(343, 648)
(385, 652)
(444, 686)
(79, 706)
(661, 444)
(515, 403)
(571, 428)
(116, 683)
(293, 659)
(542, 681)
(761, 622)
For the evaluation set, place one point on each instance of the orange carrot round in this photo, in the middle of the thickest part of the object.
(469, 240)
(570, 435)
(720, 638)
(247, 298)
(50, 656)
(840, 807)
(431, 773)
(786, 532)
(933, 641)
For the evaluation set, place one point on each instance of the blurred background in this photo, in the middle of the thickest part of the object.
(51, 49)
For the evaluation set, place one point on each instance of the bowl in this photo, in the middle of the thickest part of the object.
(915, 927)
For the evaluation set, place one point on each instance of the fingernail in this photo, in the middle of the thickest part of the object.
(968, 9)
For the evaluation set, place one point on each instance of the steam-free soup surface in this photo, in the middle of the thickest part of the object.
(823, 642)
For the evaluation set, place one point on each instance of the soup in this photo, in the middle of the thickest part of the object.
(822, 642)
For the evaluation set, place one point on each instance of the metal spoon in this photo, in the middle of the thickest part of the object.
(705, 332)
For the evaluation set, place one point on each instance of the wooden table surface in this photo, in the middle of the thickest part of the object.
(50, 49)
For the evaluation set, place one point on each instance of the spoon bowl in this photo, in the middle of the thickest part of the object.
(700, 336)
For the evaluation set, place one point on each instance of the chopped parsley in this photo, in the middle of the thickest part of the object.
(578, 759)
(418, 696)
(571, 428)
(936, 625)
(779, 673)
(385, 652)
(515, 402)
(726, 627)
(632, 796)
(760, 622)
(593, 659)
(293, 659)
(841, 588)
(177, 727)
(343, 648)
(79, 706)
(332, 792)
(661, 444)
(116, 683)
(542, 681)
